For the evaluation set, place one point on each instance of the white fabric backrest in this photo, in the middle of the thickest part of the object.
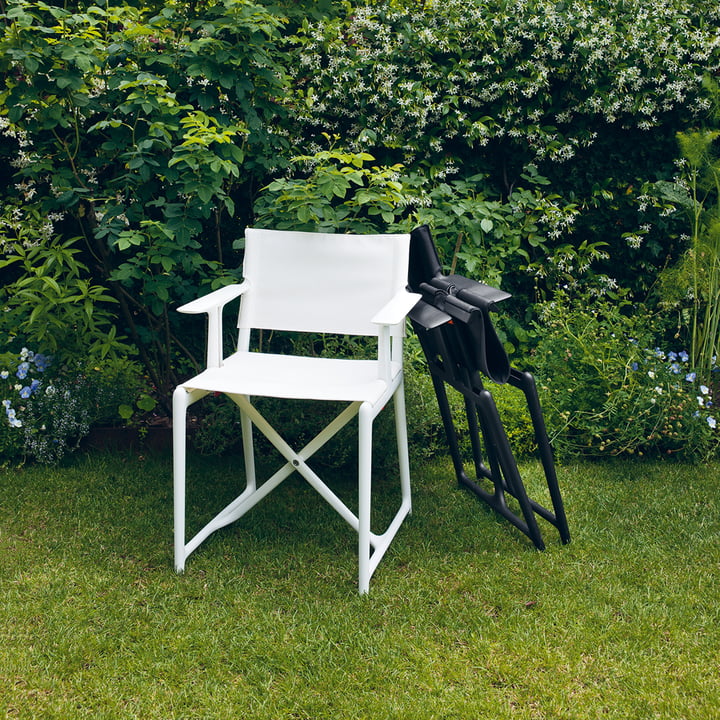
(320, 282)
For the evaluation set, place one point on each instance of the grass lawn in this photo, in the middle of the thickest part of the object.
(464, 618)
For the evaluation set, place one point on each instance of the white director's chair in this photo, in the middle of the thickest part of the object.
(315, 283)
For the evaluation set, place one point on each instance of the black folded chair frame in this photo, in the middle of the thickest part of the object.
(459, 341)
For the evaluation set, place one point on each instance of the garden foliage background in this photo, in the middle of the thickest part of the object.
(562, 150)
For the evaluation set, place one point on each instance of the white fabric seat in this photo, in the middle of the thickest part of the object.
(315, 283)
(291, 376)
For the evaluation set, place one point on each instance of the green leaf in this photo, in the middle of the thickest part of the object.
(146, 402)
(125, 412)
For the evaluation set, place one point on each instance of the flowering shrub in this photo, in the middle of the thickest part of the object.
(589, 91)
(431, 76)
(19, 381)
(672, 373)
(605, 393)
(44, 417)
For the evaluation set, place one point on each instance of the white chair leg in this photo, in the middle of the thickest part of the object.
(365, 421)
(182, 399)
(180, 405)
(248, 449)
(402, 446)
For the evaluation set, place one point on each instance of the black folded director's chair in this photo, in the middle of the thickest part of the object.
(459, 341)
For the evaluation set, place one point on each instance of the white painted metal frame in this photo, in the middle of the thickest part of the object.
(366, 385)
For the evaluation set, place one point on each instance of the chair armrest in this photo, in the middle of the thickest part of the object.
(395, 311)
(213, 304)
(215, 299)
(392, 314)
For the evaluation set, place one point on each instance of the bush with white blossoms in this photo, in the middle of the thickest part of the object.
(544, 76)
(591, 92)
(43, 416)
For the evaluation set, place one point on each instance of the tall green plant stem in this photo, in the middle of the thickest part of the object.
(703, 254)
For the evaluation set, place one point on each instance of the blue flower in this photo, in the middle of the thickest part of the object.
(675, 367)
(22, 370)
(34, 385)
(711, 422)
(4, 374)
(25, 393)
(634, 366)
(690, 377)
(41, 362)
(684, 356)
(672, 356)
